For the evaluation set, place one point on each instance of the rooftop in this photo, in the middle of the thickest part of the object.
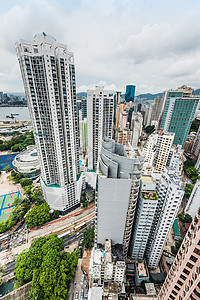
(147, 179)
(150, 195)
(141, 269)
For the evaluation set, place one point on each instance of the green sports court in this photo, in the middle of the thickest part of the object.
(7, 204)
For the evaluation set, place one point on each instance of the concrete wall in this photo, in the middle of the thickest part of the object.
(113, 199)
(19, 294)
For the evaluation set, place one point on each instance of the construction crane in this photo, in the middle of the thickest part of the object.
(12, 116)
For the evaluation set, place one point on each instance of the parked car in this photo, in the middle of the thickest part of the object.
(76, 297)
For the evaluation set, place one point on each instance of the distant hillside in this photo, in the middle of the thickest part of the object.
(149, 96)
(81, 94)
(196, 92)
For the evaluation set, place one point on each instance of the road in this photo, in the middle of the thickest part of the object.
(6, 255)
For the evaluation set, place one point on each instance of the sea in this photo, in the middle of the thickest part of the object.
(23, 114)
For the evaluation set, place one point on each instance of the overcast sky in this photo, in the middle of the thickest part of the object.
(154, 44)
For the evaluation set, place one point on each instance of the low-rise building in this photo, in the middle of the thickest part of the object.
(107, 266)
(27, 163)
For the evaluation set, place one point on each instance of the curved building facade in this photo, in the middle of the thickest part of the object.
(118, 188)
(27, 163)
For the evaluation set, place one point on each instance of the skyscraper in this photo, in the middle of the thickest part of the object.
(136, 126)
(170, 193)
(178, 113)
(130, 93)
(183, 279)
(193, 201)
(100, 108)
(48, 74)
(118, 187)
(163, 147)
(146, 206)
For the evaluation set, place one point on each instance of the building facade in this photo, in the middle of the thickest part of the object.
(196, 145)
(178, 114)
(170, 193)
(136, 126)
(194, 200)
(130, 93)
(183, 279)
(162, 150)
(100, 108)
(123, 137)
(145, 211)
(48, 74)
(118, 188)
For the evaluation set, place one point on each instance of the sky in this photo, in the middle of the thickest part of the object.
(150, 43)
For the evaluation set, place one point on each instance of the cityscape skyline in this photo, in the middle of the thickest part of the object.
(135, 52)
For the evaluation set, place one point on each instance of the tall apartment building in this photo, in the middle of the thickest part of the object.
(118, 97)
(158, 106)
(149, 150)
(136, 126)
(123, 137)
(118, 188)
(84, 107)
(196, 145)
(170, 193)
(197, 165)
(175, 159)
(147, 202)
(163, 147)
(148, 115)
(119, 110)
(193, 201)
(83, 134)
(178, 113)
(100, 108)
(124, 121)
(130, 93)
(183, 279)
(48, 74)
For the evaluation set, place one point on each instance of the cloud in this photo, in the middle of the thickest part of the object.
(115, 42)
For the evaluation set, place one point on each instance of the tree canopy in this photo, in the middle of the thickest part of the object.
(150, 129)
(188, 189)
(185, 218)
(48, 267)
(38, 215)
(88, 238)
(18, 143)
(25, 181)
(190, 170)
(195, 125)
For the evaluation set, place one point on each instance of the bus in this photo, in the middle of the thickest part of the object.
(64, 235)
(79, 227)
(4, 238)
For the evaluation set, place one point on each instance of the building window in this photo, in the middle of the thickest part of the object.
(189, 265)
(180, 282)
(182, 277)
(193, 258)
(171, 297)
(186, 271)
(197, 251)
(177, 287)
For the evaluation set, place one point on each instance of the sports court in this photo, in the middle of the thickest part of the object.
(6, 205)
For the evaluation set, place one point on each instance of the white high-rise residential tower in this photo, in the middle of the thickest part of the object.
(48, 74)
(170, 194)
(100, 110)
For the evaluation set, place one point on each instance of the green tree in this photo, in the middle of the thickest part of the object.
(187, 218)
(49, 268)
(181, 217)
(38, 215)
(195, 125)
(7, 168)
(25, 182)
(150, 129)
(56, 214)
(88, 238)
(188, 189)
